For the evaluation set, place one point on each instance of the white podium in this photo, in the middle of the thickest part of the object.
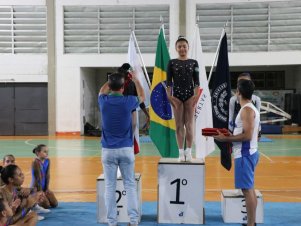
(121, 199)
(181, 191)
(234, 207)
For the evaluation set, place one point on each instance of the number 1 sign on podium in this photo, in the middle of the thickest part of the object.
(181, 191)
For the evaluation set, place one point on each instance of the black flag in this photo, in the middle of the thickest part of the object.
(221, 94)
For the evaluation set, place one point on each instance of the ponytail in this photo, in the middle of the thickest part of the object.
(38, 148)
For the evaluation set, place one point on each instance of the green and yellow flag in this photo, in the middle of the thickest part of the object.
(162, 124)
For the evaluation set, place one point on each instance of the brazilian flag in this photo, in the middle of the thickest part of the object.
(162, 123)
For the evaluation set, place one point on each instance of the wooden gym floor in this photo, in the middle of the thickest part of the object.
(75, 165)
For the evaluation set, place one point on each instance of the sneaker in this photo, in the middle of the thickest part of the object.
(40, 218)
(40, 209)
(181, 156)
(188, 156)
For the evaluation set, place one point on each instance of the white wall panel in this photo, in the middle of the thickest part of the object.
(23, 67)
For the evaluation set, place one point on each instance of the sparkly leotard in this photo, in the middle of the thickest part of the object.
(185, 77)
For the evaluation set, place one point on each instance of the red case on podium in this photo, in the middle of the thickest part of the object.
(209, 132)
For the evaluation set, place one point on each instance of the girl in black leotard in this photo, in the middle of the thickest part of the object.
(183, 81)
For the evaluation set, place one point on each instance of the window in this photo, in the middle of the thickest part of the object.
(23, 29)
(252, 26)
(106, 29)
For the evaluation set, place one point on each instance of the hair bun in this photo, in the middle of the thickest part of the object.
(182, 38)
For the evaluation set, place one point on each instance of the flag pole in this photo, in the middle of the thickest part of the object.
(217, 51)
(142, 61)
(162, 25)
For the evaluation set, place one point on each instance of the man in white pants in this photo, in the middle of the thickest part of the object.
(117, 144)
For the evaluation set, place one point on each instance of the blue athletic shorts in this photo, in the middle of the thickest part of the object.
(244, 171)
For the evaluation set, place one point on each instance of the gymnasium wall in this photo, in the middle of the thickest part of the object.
(23, 67)
(69, 114)
(68, 65)
(241, 58)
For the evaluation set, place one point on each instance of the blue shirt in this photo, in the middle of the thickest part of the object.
(116, 120)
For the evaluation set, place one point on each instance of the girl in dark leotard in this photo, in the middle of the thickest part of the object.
(182, 89)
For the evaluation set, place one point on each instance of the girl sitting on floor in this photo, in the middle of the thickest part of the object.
(13, 178)
(7, 160)
(24, 192)
(41, 176)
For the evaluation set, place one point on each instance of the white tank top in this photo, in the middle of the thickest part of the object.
(246, 148)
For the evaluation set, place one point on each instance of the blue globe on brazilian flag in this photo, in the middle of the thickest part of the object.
(162, 124)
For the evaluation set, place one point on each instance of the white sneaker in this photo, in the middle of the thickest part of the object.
(40, 209)
(188, 156)
(181, 156)
(40, 218)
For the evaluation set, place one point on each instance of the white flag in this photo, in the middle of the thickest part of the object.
(203, 145)
(134, 61)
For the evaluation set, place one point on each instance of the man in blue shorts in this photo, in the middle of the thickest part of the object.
(117, 143)
(245, 146)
